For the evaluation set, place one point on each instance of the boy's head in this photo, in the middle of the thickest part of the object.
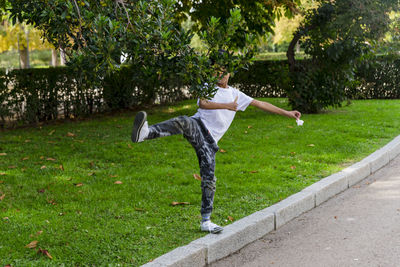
(214, 60)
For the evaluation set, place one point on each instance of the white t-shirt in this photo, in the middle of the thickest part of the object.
(218, 121)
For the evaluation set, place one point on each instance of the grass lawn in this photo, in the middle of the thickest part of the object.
(57, 182)
(38, 59)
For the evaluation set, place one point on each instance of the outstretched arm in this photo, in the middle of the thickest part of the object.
(205, 104)
(274, 109)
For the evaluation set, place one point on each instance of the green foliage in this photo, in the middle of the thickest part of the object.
(36, 95)
(337, 36)
(45, 94)
(376, 78)
(258, 15)
(265, 78)
(95, 34)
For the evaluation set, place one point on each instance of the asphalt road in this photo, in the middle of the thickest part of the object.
(359, 227)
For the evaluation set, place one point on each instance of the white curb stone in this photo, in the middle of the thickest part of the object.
(357, 172)
(291, 207)
(237, 235)
(191, 255)
(328, 187)
(378, 159)
(394, 148)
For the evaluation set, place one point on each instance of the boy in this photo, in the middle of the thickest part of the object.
(203, 131)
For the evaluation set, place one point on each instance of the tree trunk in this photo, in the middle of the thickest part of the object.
(54, 61)
(290, 53)
(62, 57)
(24, 57)
(298, 47)
(24, 51)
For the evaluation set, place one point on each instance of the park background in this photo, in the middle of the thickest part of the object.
(75, 191)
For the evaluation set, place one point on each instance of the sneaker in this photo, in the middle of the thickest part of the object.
(210, 227)
(140, 127)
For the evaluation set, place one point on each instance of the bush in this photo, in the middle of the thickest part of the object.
(268, 78)
(378, 78)
(35, 95)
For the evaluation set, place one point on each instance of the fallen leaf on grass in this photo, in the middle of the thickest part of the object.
(311, 145)
(90, 173)
(3, 154)
(179, 203)
(290, 126)
(117, 182)
(2, 197)
(231, 218)
(293, 167)
(52, 201)
(222, 150)
(51, 142)
(61, 167)
(50, 133)
(113, 176)
(129, 145)
(249, 127)
(292, 153)
(43, 167)
(253, 171)
(71, 134)
(197, 177)
(27, 141)
(32, 244)
(78, 185)
(51, 159)
(3, 173)
(41, 190)
(12, 167)
(45, 252)
(1, 182)
(26, 158)
(139, 209)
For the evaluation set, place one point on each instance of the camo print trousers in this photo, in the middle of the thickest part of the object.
(199, 137)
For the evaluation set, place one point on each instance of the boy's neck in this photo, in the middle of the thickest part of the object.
(223, 85)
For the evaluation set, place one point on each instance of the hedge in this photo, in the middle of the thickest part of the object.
(36, 95)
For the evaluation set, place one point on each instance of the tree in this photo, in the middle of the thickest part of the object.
(94, 35)
(337, 36)
(258, 15)
(285, 27)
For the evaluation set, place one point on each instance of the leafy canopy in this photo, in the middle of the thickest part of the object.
(94, 35)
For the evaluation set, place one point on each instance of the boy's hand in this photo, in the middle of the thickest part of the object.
(294, 114)
(233, 105)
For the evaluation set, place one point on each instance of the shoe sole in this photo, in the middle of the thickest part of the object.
(217, 230)
(137, 125)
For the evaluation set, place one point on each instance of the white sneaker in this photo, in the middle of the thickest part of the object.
(210, 227)
(140, 128)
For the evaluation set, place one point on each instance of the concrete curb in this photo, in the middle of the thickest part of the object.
(235, 236)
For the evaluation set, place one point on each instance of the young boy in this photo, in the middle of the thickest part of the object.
(203, 131)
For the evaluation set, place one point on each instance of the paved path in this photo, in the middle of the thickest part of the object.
(359, 227)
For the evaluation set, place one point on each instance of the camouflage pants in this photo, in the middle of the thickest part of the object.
(199, 137)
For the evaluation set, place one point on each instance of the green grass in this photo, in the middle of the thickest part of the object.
(277, 56)
(38, 59)
(267, 159)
